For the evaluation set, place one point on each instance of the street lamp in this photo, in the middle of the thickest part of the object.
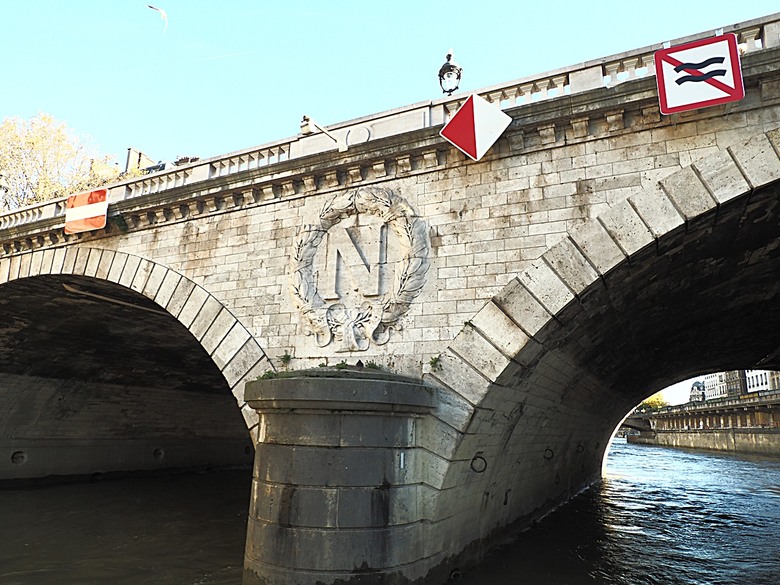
(449, 75)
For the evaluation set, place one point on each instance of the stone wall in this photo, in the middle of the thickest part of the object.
(68, 427)
(748, 441)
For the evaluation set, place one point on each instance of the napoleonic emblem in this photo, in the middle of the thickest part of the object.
(357, 271)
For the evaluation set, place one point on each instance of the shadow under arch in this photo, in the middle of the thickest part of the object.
(678, 280)
(122, 355)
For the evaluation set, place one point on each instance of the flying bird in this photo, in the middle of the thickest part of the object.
(163, 15)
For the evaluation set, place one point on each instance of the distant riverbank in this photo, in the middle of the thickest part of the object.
(755, 441)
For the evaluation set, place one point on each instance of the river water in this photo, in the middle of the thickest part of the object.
(661, 516)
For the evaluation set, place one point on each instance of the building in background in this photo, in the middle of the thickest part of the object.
(736, 383)
(698, 392)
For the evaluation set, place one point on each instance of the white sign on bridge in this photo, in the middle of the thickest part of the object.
(699, 74)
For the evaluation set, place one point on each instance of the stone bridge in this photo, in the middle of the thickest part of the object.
(506, 313)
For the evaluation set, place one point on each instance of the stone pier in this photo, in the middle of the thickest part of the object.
(338, 494)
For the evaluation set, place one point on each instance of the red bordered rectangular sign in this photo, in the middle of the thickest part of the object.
(86, 211)
(699, 74)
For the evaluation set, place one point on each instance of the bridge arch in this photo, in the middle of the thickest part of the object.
(230, 345)
(597, 324)
(86, 325)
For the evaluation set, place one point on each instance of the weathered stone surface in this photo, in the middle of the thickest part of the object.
(478, 352)
(502, 332)
(515, 300)
(657, 211)
(598, 246)
(688, 193)
(571, 266)
(758, 160)
(546, 286)
(626, 228)
(722, 177)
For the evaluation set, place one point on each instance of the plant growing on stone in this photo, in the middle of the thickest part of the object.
(435, 363)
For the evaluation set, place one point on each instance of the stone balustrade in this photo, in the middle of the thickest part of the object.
(752, 35)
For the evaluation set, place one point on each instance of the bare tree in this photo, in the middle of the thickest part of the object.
(42, 159)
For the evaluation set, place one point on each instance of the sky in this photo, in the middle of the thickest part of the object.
(227, 75)
(680, 392)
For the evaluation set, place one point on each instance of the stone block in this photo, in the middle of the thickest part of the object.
(459, 376)
(192, 305)
(688, 193)
(517, 302)
(129, 270)
(376, 431)
(758, 160)
(104, 265)
(502, 332)
(331, 551)
(545, 285)
(204, 323)
(245, 360)
(377, 506)
(585, 79)
(250, 374)
(48, 261)
(58, 260)
(721, 175)
(478, 352)
(180, 296)
(657, 211)
(436, 436)
(294, 505)
(141, 275)
(250, 416)
(598, 246)
(312, 429)
(155, 280)
(167, 288)
(626, 228)
(230, 345)
(80, 261)
(450, 407)
(35, 262)
(571, 266)
(93, 261)
(117, 266)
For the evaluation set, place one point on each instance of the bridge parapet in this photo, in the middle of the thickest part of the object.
(608, 71)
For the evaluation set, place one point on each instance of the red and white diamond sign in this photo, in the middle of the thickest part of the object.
(86, 211)
(475, 127)
(699, 74)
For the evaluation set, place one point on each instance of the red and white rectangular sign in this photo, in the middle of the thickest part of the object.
(699, 74)
(86, 211)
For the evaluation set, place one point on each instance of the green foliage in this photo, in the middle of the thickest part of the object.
(341, 365)
(373, 365)
(435, 363)
(286, 358)
(267, 375)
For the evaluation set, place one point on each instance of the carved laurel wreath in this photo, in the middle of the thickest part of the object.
(355, 326)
